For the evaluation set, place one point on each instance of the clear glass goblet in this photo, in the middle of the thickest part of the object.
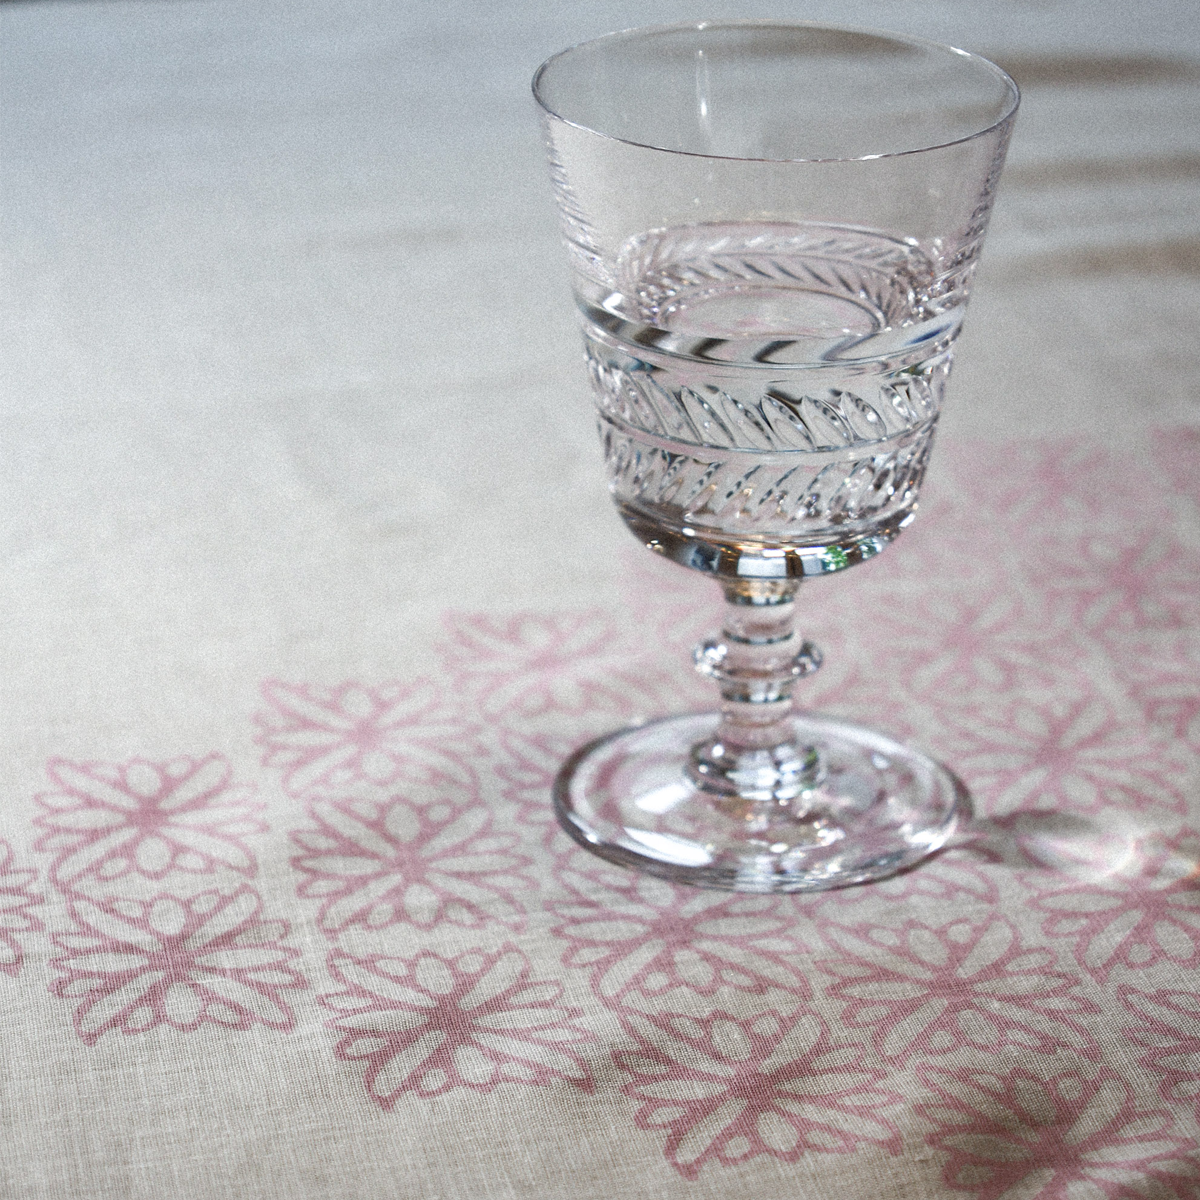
(772, 230)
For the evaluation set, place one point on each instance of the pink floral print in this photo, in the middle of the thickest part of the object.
(1164, 682)
(1056, 483)
(354, 736)
(374, 864)
(132, 965)
(1066, 1134)
(638, 935)
(1062, 754)
(530, 665)
(674, 605)
(985, 641)
(1019, 1003)
(527, 768)
(968, 987)
(17, 902)
(429, 1024)
(1177, 452)
(108, 822)
(726, 1090)
(1117, 586)
(1133, 922)
(1168, 1029)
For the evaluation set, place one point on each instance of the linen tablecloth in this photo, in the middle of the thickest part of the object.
(309, 584)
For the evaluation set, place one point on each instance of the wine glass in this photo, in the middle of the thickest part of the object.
(772, 231)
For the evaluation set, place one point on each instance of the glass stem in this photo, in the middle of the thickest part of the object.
(753, 760)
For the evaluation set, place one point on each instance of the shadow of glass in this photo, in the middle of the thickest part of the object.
(1086, 848)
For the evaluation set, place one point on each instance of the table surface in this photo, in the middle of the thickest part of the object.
(310, 583)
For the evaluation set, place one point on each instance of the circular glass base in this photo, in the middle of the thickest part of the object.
(873, 808)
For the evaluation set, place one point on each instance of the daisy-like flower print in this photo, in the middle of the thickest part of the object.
(528, 767)
(1055, 1137)
(636, 934)
(430, 1024)
(1061, 483)
(680, 606)
(374, 864)
(108, 821)
(131, 965)
(1177, 452)
(1117, 586)
(1168, 1028)
(968, 985)
(952, 641)
(947, 544)
(534, 664)
(353, 736)
(1062, 754)
(1135, 922)
(1167, 689)
(17, 901)
(727, 1090)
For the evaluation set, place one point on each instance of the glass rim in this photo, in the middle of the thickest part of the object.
(1014, 92)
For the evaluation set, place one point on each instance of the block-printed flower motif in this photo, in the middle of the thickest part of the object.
(949, 642)
(1135, 920)
(1166, 690)
(17, 902)
(351, 735)
(1177, 452)
(430, 1024)
(948, 547)
(675, 606)
(109, 821)
(533, 664)
(1055, 483)
(1061, 754)
(969, 985)
(1070, 1135)
(1168, 1028)
(528, 766)
(1119, 586)
(636, 934)
(379, 863)
(727, 1090)
(132, 965)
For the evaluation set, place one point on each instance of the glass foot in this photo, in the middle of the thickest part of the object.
(870, 807)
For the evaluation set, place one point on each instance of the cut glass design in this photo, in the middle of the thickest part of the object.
(772, 256)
